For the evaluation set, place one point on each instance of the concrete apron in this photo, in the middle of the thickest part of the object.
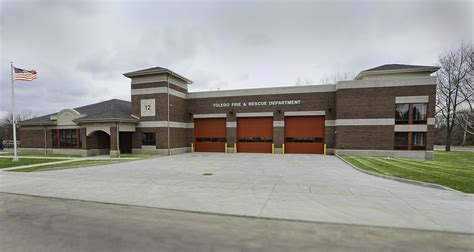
(294, 187)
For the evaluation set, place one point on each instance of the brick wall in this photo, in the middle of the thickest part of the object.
(32, 138)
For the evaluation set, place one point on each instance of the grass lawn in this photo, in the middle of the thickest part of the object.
(7, 162)
(39, 154)
(451, 169)
(80, 163)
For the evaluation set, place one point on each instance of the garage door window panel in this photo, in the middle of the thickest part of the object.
(211, 140)
(304, 139)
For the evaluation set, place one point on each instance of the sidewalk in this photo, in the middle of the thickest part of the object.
(454, 148)
(40, 164)
(62, 160)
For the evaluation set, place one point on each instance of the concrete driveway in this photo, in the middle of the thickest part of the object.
(296, 187)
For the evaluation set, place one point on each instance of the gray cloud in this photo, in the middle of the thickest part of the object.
(82, 48)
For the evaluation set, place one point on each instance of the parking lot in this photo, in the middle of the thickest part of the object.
(295, 187)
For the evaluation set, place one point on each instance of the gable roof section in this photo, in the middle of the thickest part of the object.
(157, 70)
(111, 110)
(397, 68)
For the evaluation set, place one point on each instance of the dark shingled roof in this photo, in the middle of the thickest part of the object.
(396, 67)
(111, 109)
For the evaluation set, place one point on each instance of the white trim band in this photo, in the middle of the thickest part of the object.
(330, 123)
(418, 81)
(264, 91)
(411, 99)
(431, 121)
(181, 85)
(411, 128)
(365, 122)
(164, 124)
(305, 113)
(258, 114)
(218, 115)
(278, 124)
(157, 90)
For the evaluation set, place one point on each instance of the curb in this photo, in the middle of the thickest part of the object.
(407, 181)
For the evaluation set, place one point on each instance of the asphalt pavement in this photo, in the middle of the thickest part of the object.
(46, 224)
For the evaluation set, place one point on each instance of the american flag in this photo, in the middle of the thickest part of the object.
(26, 75)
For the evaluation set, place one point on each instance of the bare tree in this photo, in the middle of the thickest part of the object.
(455, 88)
(338, 76)
(20, 116)
(305, 82)
(465, 119)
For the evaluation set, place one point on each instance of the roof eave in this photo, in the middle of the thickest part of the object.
(141, 73)
(408, 70)
(99, 120)
(37, 124)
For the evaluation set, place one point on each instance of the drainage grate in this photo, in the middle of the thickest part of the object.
(207, 174)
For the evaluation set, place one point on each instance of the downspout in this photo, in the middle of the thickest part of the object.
(168, 122)
(45, 142)
(118, 139)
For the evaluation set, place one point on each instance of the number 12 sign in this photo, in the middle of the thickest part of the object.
(148, 107)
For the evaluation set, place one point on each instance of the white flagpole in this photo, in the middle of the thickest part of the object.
(15, 155)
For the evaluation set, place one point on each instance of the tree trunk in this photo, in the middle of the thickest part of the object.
(448, 140)
(464, 138)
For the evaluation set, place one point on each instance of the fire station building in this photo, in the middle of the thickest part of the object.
(385, 111)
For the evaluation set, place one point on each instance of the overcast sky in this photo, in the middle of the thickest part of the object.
(81, 48)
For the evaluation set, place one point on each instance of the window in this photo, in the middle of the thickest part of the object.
(419, 113)
(401, 140)
(410, 141)
(402, 113)
(148, 139)
(66, 138)
(418, 141)
(411, 113)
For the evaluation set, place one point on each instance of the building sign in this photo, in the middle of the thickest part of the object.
(256, 103)
(147, 107)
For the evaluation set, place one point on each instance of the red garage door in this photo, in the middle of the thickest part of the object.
(255, 134)
(304, 134)
(209, 134)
